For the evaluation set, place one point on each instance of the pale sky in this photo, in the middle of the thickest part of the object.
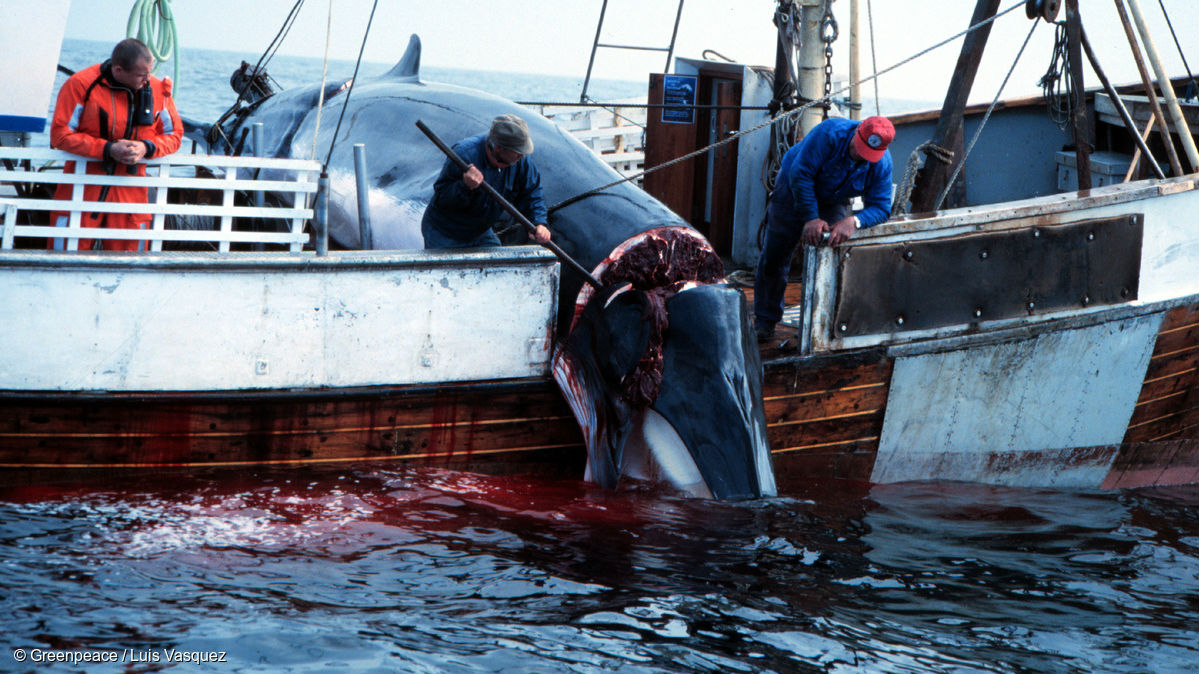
(555, 37)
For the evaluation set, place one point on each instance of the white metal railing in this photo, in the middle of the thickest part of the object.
(294, 177)
(615, 134)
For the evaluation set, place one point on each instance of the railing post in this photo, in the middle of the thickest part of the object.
(160, 198)
(259, 198)
(321, 217)
(366, 240)
(810, 259)
(10, 224)
(257, 138)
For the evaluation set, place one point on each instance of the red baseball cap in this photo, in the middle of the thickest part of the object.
(872, 137)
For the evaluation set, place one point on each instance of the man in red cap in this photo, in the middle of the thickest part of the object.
(838, 160)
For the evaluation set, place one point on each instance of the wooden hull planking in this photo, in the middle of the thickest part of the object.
(825, 419)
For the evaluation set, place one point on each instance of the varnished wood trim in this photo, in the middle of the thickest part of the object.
(290, 462)
(813, 420)
(1173, 375)
(1154, 420)
(881, 384)
(1168, 354)
(288, 432)
(873, 438)
(1175, 394)
(1180, 328)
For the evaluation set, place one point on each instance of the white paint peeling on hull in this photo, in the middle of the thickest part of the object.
(972, 414)
(141, 324)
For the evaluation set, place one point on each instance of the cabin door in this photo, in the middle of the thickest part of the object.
(721, 180)
(701, 190)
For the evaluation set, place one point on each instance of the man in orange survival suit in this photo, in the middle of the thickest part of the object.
(118, 113)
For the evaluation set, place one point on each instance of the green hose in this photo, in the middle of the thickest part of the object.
(152, 22)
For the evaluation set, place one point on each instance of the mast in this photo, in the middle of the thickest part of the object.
(933, 177)
(811, 63)
(855, 68)
(1078, 117)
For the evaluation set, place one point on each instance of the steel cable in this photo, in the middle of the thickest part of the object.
(795, 112)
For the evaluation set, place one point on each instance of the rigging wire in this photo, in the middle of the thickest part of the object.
(1193, 89)
(153, 23)
(350, 89)
(320, 102)
(873, 57)
(793, 113)
(267, 55)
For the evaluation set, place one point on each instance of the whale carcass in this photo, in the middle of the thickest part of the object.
(659, 367)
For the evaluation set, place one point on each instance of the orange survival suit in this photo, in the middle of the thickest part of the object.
(93, 109)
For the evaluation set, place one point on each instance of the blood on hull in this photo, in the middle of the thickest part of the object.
(705, 388)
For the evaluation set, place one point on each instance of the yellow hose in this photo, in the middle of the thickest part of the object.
(152, 22)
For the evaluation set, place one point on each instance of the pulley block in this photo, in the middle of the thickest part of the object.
(1042, 9)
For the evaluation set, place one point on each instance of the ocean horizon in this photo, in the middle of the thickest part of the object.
(203, 92)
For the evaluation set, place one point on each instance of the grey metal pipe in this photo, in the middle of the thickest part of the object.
(321, 219)
(811, 63)
(256, 132)
(366, 240)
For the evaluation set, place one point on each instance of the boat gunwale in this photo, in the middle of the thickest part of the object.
(1074, 321)
(279, 395)
(972, 218)
(282, 260)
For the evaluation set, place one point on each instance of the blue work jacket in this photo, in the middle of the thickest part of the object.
(818, 173)
(465, 214)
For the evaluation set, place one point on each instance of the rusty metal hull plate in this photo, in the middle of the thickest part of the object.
(918, 285)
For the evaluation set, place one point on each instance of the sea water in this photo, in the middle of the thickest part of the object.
(203, 92)
(425, 570)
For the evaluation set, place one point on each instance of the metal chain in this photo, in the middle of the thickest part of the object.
(788, 19)
(828, 35)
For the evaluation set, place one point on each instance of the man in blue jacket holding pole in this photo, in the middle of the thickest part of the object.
(460, 214)
(839, 159)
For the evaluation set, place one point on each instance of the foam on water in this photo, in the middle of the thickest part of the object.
(437, 571)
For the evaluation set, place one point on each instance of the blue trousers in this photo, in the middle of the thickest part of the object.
(435, 239)
(770, 279)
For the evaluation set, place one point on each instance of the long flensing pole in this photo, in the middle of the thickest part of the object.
(499, 198)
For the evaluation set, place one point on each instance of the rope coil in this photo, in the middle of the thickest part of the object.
(153, 23)
(915, 160)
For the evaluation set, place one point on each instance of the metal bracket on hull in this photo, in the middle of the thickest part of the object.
(918, 285)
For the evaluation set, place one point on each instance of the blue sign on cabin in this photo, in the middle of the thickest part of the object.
(678, 90)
